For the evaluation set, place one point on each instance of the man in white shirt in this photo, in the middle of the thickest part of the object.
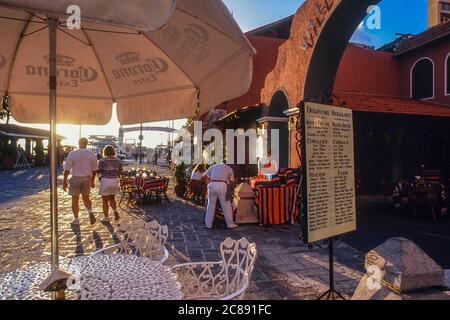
(220, 177)
(83, 166)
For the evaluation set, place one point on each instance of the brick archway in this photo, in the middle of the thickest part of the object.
(276, 119)
(308, 61)
(278, 104)
(330, 44)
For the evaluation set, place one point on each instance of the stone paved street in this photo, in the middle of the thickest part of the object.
(285, 269)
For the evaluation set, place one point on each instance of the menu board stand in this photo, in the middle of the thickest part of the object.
(327, 203)
(331, 294)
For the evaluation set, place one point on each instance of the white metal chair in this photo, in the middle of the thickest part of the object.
(224, 280)
(144, 239)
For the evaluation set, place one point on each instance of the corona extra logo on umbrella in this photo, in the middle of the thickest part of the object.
(2, 61)
(69, 74)
(128, 57)
(62, 60)
(133, 66)
(197, 31)
(191, 42)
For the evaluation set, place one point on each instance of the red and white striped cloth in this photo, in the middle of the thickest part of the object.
(276, 205)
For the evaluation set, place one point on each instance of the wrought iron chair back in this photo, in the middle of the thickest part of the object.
(161, 233)
(224, 280)
(239, 258)
(142, 239)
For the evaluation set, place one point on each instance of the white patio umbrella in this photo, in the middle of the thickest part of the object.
(157, 59)
(151, 75)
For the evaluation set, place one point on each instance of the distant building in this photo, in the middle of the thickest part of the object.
(12, 135)
(438, 12)
(98, 142)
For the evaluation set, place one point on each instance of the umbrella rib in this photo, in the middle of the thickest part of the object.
(16, 50)
(22, 20)
(91, 44)
(36, 16)
(72, 36)
(111, 31)
(35, 31)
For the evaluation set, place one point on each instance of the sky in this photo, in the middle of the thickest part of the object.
(397, 16)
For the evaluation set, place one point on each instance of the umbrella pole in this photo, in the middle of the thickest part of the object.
(52, 26)
(57, 281)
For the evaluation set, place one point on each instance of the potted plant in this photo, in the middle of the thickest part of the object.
(180, 178)
(9, 157)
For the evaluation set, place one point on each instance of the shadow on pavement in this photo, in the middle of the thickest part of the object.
(21, 183)
(378, 221)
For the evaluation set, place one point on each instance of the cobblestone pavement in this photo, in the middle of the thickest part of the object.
(285, 269)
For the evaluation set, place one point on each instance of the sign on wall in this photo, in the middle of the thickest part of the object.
(329, 175)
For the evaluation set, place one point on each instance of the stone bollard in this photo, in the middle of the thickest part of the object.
(399, 270)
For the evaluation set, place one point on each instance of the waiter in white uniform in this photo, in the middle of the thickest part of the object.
(220, 177)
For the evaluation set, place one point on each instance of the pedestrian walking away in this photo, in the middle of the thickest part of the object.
(109, 170)
(81, 165)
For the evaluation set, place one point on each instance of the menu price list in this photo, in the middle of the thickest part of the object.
(330, 185)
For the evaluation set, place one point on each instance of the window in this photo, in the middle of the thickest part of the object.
(447, 75)
(422, 79)
(445, 7)
(445, 12)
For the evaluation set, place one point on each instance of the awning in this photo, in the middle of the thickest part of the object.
(395, 105)
(14, 131)
(252, 111)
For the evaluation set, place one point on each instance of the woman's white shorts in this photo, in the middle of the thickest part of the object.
(109, 187)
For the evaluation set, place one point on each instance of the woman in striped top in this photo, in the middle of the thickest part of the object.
(109, 169)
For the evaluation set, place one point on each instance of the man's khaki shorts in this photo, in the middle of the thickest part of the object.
(79, 185)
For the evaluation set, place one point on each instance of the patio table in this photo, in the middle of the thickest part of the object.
(99, 277)
(141, 181)
(428, 193)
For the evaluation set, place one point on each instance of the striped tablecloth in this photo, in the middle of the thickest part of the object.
(275, 205)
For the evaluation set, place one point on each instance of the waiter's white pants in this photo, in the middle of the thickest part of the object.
(218, 190)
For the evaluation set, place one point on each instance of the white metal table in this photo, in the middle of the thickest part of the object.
(99, 277)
